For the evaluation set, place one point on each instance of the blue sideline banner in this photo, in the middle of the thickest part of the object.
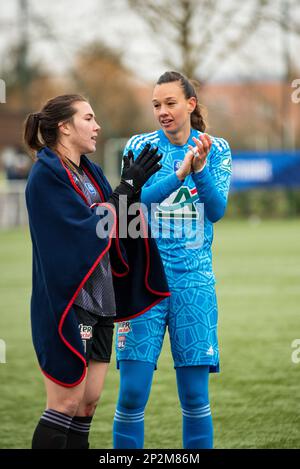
(265, 169)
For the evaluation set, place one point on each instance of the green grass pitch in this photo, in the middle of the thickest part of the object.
(255, 398)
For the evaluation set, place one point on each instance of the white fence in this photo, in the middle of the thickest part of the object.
(12, 204)
(113, 152)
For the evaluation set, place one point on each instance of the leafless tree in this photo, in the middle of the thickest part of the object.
(195, 35)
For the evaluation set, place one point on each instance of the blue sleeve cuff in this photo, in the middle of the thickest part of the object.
(214, 202)
(202, 175)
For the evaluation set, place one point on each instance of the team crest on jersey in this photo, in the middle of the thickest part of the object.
(121, 342)
(180, 204)
(86, 332)
(124, 327)
(90, 188)
(177, 164)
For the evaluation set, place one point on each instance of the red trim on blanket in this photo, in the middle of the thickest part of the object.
(117, 243)
(116, 273)
(77, 189)
(66, 385)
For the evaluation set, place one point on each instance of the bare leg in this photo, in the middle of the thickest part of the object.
(78, 436)
(63, 399)
(94, 384)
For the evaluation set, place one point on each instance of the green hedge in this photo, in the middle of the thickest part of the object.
(278, 203)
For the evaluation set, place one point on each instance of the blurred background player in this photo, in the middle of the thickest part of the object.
(190, 193)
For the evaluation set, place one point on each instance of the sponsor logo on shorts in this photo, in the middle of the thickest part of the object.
(121, 342)
(124, 327)
(86, 332)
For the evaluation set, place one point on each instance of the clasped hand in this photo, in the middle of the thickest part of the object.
(195, 158)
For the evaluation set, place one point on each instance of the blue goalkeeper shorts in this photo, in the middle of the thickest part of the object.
(191, 316)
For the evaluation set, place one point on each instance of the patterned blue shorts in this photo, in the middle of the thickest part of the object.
(191, 316)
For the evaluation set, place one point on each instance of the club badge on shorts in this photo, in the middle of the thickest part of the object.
(121, 342)
(124, 327)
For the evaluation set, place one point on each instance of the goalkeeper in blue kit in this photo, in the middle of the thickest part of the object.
(184, 199)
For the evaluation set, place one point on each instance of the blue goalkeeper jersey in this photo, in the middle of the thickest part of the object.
(181, 213)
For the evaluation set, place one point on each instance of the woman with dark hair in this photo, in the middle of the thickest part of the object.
(187, 196)
(84, 277)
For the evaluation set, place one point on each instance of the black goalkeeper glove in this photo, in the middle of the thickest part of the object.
(136, 173)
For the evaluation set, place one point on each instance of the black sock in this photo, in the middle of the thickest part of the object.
(78, 436)
(51, 431)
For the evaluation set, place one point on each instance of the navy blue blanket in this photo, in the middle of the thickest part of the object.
(66, 249)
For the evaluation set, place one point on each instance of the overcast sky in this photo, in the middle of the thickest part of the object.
(73, 24)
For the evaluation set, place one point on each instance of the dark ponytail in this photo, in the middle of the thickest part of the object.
(31, 132)
(197, 119)
(41, 128)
